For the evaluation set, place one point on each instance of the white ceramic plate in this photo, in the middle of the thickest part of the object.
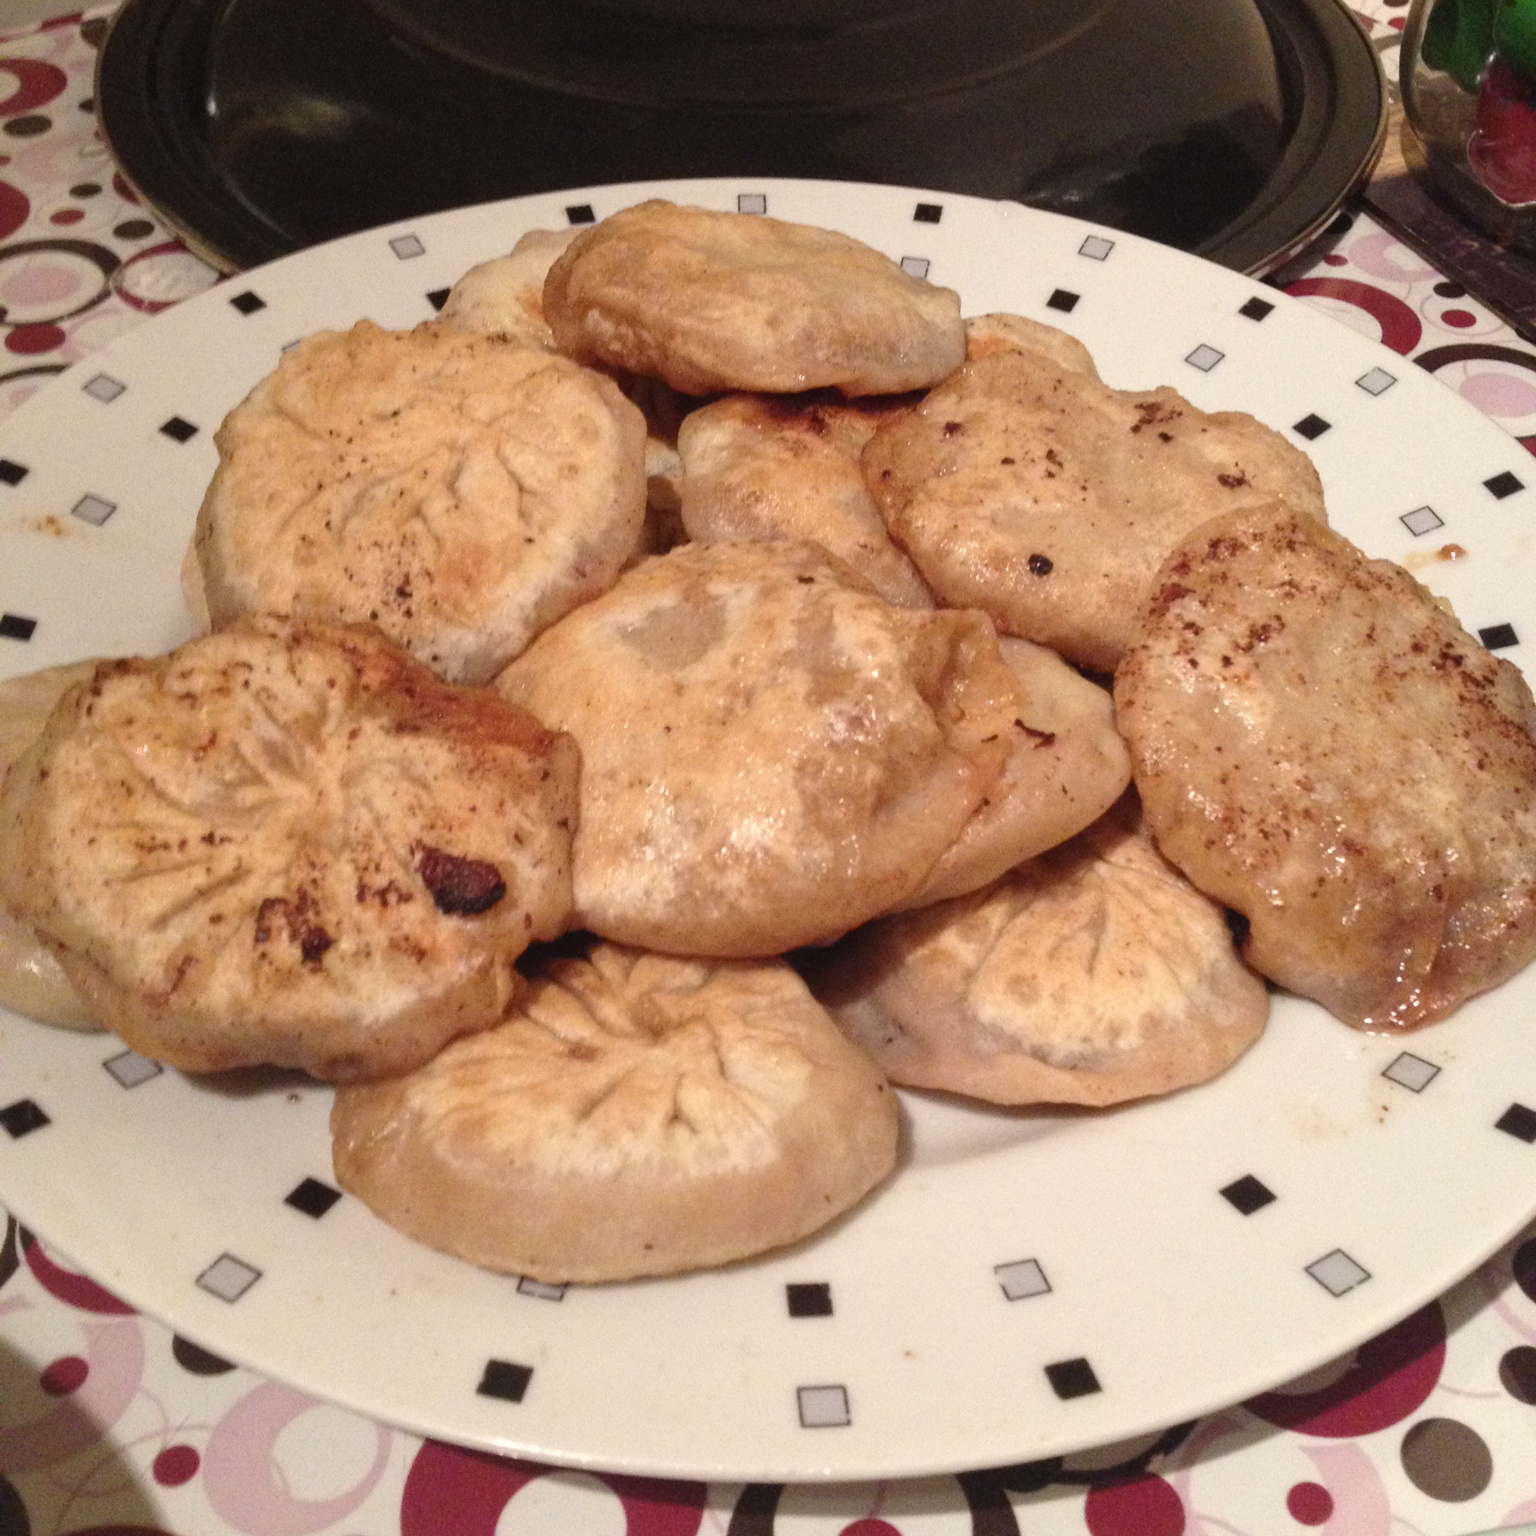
(1028, 1284)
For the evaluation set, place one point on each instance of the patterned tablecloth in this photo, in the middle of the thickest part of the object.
(111, 1425)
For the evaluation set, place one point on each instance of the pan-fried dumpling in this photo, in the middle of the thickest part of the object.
(787, 467)
(770, 753)
(1066, 766)
(456, 491)
(639, 1115)
(1321, 746)
(504, 297)
(715, 301)
(289, 844)
(1091, 975)
(1027, 488)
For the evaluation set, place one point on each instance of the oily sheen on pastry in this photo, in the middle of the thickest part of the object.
(1321, 746)
(457, 491)
(289, 844)
(638, 1115)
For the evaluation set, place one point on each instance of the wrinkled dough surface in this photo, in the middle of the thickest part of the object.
(639, 1115)
(771, 466)
(459, 492)
(32, 982)
(504, 297)
(1066, 767)
(289, 844)
(1321, 746)
(717, 301)
(1048, 500)
(770, 753)
(1091, 975)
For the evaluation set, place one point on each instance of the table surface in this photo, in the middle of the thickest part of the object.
(111, 1425)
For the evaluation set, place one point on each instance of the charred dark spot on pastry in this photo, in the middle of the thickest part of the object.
(299, 925)
(1232, 481)
(459, 886)
(952, 427)
(1007, 459)
(1041, 738)
(1041, 565)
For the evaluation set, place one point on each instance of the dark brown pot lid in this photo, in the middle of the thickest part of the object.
(1231, 128)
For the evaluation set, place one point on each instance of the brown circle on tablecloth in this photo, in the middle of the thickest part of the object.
(1446, 1460)
(1517, 1373)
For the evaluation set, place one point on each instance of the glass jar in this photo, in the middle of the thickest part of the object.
(1468, 73)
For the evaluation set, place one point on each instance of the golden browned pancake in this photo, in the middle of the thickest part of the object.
(716, 301)
(1091, 975)
(1066, 766)
(289, 844)
(1321, 746)
(770, 753)
(504, 297)
(787, 467)
(459, 492)
(32, 982)
(1047, 499)
(639, 1115)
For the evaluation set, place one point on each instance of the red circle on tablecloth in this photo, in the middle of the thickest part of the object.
(1147, 1507)
(75, 1289)
(477, 1487)
(1309, 1503)
(1387, 1381)
(15, 209)
(65, 1375)
(175, 1465)
(28, 340)
(1400, 327)
(869, 1526)
(37, 83)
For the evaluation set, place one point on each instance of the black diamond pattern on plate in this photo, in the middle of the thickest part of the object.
(505, 1380)
(1247, 1195)
(178, 429)
(312, 1197)
(1072, 1378)
(1519, 1122)
(248, 303)
(14, 627)
(1311, 427)
(808, 1299)
(1497, 636)
(580, 213)
(1504, 485)
(22, 1118)
(1256, 309)
(12, 473)
(437, 298)
(1062, 300)
(928, 213)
